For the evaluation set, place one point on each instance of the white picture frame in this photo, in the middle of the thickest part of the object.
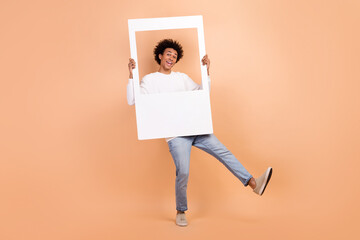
(171, 114)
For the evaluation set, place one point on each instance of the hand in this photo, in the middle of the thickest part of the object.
(131, 65)
(206, 61)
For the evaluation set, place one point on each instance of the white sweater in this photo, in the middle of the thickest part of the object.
(159, 83)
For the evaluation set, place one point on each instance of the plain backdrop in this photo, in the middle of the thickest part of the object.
(285, 92)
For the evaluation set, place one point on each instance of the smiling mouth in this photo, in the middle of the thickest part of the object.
(169, 63)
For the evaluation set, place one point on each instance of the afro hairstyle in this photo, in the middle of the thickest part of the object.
(168, 43)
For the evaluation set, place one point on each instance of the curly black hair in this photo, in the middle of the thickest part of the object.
(168, 43)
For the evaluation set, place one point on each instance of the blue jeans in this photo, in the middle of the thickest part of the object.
(180, 148)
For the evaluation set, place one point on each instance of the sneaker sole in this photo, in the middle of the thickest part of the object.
(181, 225)
(267, 181)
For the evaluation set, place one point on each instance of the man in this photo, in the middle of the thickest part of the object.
(167, 53)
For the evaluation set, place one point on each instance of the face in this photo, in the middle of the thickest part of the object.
(168, 58)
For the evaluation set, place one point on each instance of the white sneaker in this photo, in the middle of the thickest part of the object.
(262, 181)
(181, 220)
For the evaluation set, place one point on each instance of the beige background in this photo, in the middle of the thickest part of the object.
(285, 92)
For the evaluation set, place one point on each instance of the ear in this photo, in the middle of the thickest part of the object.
(160, 56)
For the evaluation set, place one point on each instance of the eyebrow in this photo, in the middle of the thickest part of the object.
(171, 52)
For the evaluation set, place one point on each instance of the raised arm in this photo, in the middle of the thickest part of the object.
(131, 65)
(130, 86)
(206, 61)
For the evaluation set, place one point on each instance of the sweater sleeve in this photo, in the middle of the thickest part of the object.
(130, 92)
(191, 85)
